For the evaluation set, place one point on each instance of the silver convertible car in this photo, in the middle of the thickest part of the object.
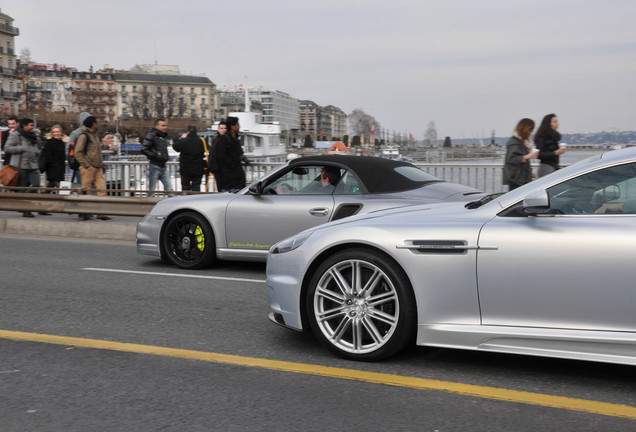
(547, 269)
(192, 231)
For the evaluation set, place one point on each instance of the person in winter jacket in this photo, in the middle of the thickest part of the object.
(155, 148)
(12, 123)
(191, 160)
(24, 149)
(73, 137)
(547, 140)
(519, 150)
(88, 152)
(229, 155)
(54, 156)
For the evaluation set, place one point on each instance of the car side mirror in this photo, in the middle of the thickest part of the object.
(537, 202)
(256, 188)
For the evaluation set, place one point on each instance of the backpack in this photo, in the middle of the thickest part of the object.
(72, 162)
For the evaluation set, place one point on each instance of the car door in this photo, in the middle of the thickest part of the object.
(288, 204)
(573, 269)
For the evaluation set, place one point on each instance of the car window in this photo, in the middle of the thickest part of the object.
(348, 185)
(299, 180)
(607, 191)
(415, 174)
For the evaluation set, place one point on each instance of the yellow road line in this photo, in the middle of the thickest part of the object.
(589, 406)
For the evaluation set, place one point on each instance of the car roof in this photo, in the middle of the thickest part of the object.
(377, 174)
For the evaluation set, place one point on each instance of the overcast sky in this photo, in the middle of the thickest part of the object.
(469, 66)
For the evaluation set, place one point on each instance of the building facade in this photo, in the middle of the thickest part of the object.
(10, 86)
(153, 94)
(337, 120)
(322, 123)
(275, 105)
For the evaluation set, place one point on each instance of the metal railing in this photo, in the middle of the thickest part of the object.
(128, 194)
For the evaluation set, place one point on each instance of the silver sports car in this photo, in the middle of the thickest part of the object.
(547, 269)
(192, 231)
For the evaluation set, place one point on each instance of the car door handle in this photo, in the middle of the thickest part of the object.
(319, 211)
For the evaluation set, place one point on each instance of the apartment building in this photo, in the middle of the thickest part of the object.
(153, 91)
(9, 83)
(275, 105)
(322, 123)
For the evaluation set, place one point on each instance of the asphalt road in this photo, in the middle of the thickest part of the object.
(106, 293)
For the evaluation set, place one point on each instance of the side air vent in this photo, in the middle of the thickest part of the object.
(346, 210)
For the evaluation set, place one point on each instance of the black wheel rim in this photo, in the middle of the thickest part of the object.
(186, 240)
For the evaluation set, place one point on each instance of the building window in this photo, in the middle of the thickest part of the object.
(123, 99)
(123, 88)
(203, 101)
(192, 113)
(203, 113)
(192, 101)
(134, 88)
(180, 90)
(202, 90)
(191, 90)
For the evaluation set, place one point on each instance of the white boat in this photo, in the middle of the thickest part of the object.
(261, 141)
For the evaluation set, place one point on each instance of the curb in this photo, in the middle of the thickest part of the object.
(91, 229)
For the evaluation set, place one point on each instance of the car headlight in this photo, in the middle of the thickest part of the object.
(290, 244)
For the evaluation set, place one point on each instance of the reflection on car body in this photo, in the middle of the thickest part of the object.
(546, 269)
(192, 231)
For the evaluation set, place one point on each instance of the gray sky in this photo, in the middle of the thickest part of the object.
(469, 66)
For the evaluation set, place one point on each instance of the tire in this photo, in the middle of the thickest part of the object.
(360, 304)
(188, 241)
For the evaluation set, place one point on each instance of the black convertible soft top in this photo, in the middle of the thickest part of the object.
(377, 174)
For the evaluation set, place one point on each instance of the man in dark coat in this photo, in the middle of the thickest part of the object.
(155, 148)
(229, 154)
(191, 160)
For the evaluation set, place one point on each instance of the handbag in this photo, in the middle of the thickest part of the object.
(9, 176)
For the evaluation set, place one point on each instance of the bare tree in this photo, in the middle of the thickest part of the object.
(181, 107)
(361, 123)
(146, 108)
(25, 55)
(171, 103)
(160, 105)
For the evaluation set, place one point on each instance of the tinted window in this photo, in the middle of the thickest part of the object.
(607, 191)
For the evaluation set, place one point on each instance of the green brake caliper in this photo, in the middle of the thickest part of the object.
(198, 232)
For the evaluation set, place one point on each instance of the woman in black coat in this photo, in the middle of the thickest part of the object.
(53, 156)
(519, 150)
(547, 141)
(192, 162)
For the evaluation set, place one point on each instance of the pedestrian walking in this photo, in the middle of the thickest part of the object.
(213, 164)
(155, 148)
(229, 155)
(12, 123)
(72, 138)
(192, 164)
(547, 141)
(519, 150)
(53, 158)
(24, 148)
(88, 152)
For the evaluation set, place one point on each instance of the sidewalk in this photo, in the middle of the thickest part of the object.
(65, 225)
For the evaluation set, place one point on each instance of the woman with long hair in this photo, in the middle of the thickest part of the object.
(547, 141)
(519, 150)
(54, 157)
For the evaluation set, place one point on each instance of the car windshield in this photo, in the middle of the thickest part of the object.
(415, 174)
